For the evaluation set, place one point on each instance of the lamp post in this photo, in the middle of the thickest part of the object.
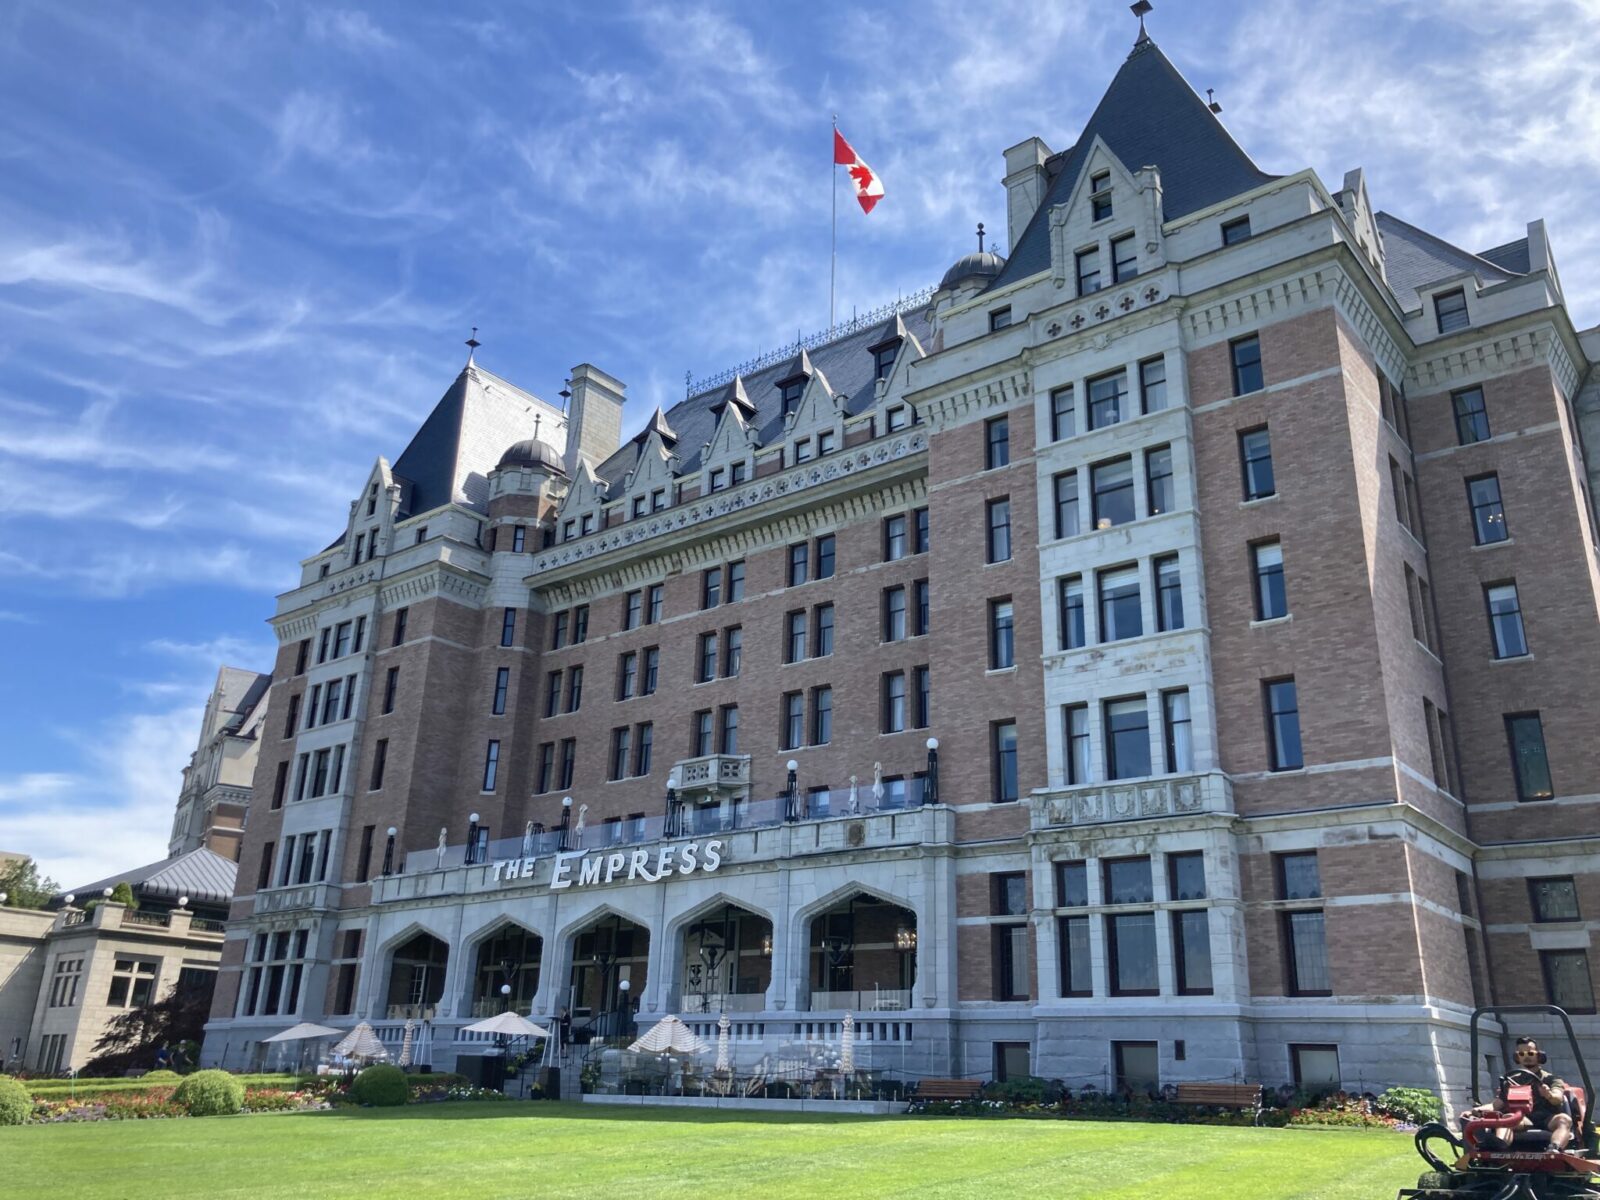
(566, 821)
(472, 839)
(791, 798)
(388, 852)
(930, 790)
(669, 827)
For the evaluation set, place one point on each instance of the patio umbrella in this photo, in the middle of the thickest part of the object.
(723, 1025)
(360, 1042)
(670, 1034)
(847, 1044)
(302, 1032)
(406, 1043)
(508, 1023)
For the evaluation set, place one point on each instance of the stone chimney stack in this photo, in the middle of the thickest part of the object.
(594, 422)
(1026, 183)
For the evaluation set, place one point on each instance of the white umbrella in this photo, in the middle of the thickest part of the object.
(361, 1042)
(508, 1023)
(723, 1025)
(406, 1043)
(847, 1045)
(669, 1033)
(302, 1032)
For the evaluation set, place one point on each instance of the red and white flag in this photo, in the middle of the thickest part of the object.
(869, 188)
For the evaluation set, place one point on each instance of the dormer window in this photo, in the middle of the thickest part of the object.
(883, 359)
(1100, 186)
(802, 450)
(372, 543)
(719, 480)
(825, 442)
(658, 499)
(372, 499)
(1088, 271)
(1235, 231)
(1000, 319)
(1124, 258)
(568, 528)
(361, 541)
(1450, 309)
(586, 523)
(736, 474)
(638, 506)
(789, 391)
(897, 418)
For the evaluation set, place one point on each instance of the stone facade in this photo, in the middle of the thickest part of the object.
(1220, 731)
(216, 783)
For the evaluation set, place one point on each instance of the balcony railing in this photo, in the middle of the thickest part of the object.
(866, 1000)
(721, 1002)
(156, 920)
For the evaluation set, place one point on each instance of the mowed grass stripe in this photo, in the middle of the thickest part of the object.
(514, 1151)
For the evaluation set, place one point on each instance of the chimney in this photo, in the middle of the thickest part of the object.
(1025, 186)
(594, 422)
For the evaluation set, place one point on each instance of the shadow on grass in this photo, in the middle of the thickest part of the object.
(546, 1110)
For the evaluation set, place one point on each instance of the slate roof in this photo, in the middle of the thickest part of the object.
(1149, 116)
(201, 874)
(846, 362)
(1414, 258)
(1513, 256)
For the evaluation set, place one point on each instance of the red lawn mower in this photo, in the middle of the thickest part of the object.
(1487, 1167)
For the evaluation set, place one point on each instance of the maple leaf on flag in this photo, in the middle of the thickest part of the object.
(869, 188)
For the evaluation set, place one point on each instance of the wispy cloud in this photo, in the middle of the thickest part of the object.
(347, 27)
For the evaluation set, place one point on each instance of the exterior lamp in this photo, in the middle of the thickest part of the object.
(68, 898)
(669, 827)
(930, 789)
(106, 892)
(183, 902)
(791, 799)
(623, 986)
(566, 821)
(505, 997)
(388, 852)
(905, 939)
(766, 946)
(472, 839)
(2, 897)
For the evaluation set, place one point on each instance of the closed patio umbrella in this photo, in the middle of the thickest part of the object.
(847, 1045)
(360, 1042)
(723, 1024)
(407, 1042)
(670, 1034)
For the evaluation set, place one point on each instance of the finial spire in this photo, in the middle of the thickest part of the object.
(536, 418)
(1139, 9)
(472, 345)
(980, 237)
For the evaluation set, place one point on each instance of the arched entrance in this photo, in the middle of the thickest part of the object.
(416, 978)
(862, 955)
(610, 962)
(507, 957)
(727, 961)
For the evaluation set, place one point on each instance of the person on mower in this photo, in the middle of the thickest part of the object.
(1549, 1098)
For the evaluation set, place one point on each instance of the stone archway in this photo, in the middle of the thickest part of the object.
(508, 955)
(417, 969)
(862, 955)
(726, 962)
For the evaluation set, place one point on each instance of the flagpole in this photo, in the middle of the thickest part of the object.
(833, 188)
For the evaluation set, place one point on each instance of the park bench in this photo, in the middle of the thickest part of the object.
(946, 1089)
(1243, 1096)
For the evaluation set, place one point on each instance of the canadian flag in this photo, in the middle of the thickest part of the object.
(869, 188)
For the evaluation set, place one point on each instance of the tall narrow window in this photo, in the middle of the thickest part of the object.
(999, 533)
(1179, 731)
(794, 720)
(391, 685)
(400, 625)
(996, 442)
(1066, 496)
(1505, 620)
(1283, 724)
(380, 760)
(799, 562)
(1070, 598)
(632, 610)
(735, 582)
(1100, 200)
(569, 761)
(1191, 942)
(1153, 384)
(653, 605)
(732, 652)
(702, 742)
(794, 636)
(645, 747)
(706, 667)
(621, 745)
(1002, 635)
(558, 631)
(627, 675)
(1088, 269)
(711, 587)
(280, 785)
(1112, 485)
(547, 767)
(1158, 475)
(491, 766)
(1075, 718)
(821, 716)
(729, 733)
(1272, 600)
(502, 684)
(574, 689)
(1450, 310)
(519, 538)
(1255, 454)
(894, 537)
(1529, 763)
(1127, 739)
(1169, 593)
(1472, 417)
(1063, 413)
(920, 608)
(1124, 258)
(1488, 513)
(650, 671)
(893, 702)
(1108, 400)
(1119, 605)
(894, 614)
(826, 555)
(822, 631)
(1003, 751)
(922, 697)
(1246, 355)
(508, 627)
(919, 530)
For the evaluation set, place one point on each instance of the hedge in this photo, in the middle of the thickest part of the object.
(380, 1086)
(210, 1094)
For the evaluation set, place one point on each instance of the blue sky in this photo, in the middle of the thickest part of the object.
(241, 245)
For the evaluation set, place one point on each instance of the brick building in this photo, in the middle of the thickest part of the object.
(1159, 653)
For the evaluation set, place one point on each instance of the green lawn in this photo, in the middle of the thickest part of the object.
(518, 1150)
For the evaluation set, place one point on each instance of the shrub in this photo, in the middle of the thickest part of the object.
(1026, 1089)
(162, 1076)
(210, 1094)
(16, 1105)
(1410, 1104)
(438, 1081)
(380, 1086)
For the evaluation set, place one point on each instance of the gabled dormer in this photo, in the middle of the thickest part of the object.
(1358, 217)
(580, 510)
(729, 458)
(1108, 230)
(792, 384)
(815, 426)
(890, 388)
(649, 486)
(372, 516)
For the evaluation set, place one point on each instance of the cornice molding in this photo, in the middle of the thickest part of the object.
(977, 399)
(1536, 344)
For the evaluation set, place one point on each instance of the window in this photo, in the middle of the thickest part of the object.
(1255, 453)
(1075, 718)
(502, 682)
(702, 742)
(1158, 476)
(569, 761)
(1112, 485)
(1525, 733)
(1088, 264)
(508, 628)
(621, 745)
(400, 626)
(1488, 513)
(1316, 1068)
(1124, 258)
(280, 785)
(789, 392)
(822, 631)
(996, 442)
(802, 450)
(729, 729)
(794, 720)
(547, 764)
(706, 667)
(391, 685)
(1186, 876)
(1272, 600)
(922, 697)
(1235, 231)
(1119, 605)
(632, 610)
(1153, 384)
(1069, 592)
(735, 582)
(491, 766)
(1100, 201)
(711, 587)
(1417, 598)
(645, 746)
(894, 614)
(380, 759)
(519, 538)
(1307, 959)
(1169, 593)
(574, 689)
(341, 639)
(1072, 934)
(1505, 620)
(826, 556)
(322, 645)
(1450, 310)
(732, 654)
(1063, 413)
(1246, 354)
(1131, 946)
(1108, 397)
(1002, 635)
(1283, 724)
(1179, 731)
(264, 875)
(1191, 942)
(303, 652)
(821, 716)
(331, 697)
(999, 537)
(894, 537)
(1003, 754)
(825, 442)
(1298, 877)
(1554, 899)
(719, 476)
(1567, 982)
(919, 540)
(794, 636)
(558, 631)
(658, 499)
(1127, 740)
(653, 604)
(893, 703)
(639, 503)
(292, 718)
(133, 982)
(883, 358)
(1000, 319)
(64, 983)
(799, 563)
(361, 540)
(627, 675)
(1472, 418)
(1066, 495)
(1008, 897)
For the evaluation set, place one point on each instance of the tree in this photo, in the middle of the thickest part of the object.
(24, 886)
(123, 894)
(132, 1039)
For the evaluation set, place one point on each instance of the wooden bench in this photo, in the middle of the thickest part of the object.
(946, 1089)
(1244, 1096)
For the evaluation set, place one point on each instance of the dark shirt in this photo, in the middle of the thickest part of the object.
(1543, 1109)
